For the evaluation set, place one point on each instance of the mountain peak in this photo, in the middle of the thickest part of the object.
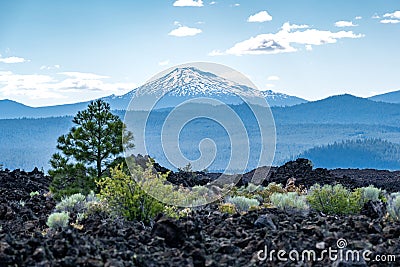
(191, 70)
(11, 102)
(8, 101)
(191, 81)
(343, 97)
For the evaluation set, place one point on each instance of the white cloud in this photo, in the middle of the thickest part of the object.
(309, 47)
(358, 18)
(390, 21)
(183, 31)
(163, 63)
(283, 41)
(270, 85)
(389, 18)
(84, 75)
(213, 3)
(236, 5)
(11, 60)
(376, 16)
(44, 67)
(343, 23)
(394, 15)
(273, 78)
(198, 3)
(288, 27)
(35, 86)
(261, 16)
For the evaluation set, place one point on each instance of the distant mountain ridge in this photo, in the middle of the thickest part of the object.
(391, 97)
(10, 109)
(275, 99)
(345, 109)
(335, 109)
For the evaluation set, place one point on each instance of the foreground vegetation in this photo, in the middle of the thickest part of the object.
(122, 196)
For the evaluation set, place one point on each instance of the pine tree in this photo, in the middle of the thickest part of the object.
(96, 140)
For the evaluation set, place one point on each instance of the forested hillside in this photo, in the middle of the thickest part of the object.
(26, 143)
(360, 153)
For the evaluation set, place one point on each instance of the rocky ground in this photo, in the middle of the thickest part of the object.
(205, 238)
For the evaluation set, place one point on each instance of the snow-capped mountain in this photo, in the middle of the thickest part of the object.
(191, 81)
(184, 83)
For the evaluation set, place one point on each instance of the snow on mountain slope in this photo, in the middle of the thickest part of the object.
(187, 82)
(190, 81)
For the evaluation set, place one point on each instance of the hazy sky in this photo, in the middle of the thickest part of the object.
(61, 51)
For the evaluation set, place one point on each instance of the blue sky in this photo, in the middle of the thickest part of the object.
(55, 52)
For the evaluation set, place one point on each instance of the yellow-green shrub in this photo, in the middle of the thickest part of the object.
(125, 196)
(393, 206)
(289, 200)
(241, 203)
(58, 220)
(227, 208)
(334, 199)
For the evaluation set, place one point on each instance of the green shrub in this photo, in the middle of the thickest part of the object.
(242, 203)
(58, 220)
(274, 188)
(258, 192)
(171, 212)
(32, 194)
(156, 184)
(125, 196)
(371, 193)
(253, 188)
(289, 200)
(96, 207)
(393, 206)
(334, 199)
(247, 189)
(184, 212)
(73, 203)
(78, 207)
(227, 208)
